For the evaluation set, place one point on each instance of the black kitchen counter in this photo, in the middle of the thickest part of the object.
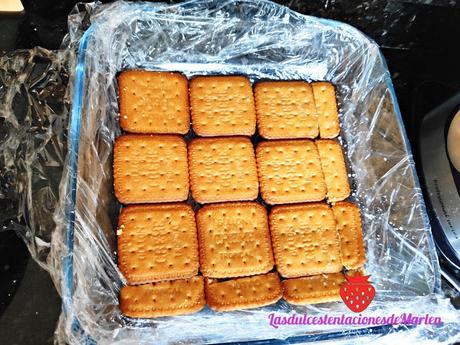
(417, 38)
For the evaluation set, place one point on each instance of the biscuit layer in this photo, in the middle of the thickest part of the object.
(285, 110)
(150, 168)
(157, 242)
(153, 102)
(290, 171)
(348, 219)
(223, 169)
(305, 240)
(243, 293)
(334, 169)
(326, 109)
(234, 240)
(166, 298)
(314, 289)
(222, 105)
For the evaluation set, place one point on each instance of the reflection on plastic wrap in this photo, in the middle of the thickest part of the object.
(392, 23)
(261, 40)
(33, 131)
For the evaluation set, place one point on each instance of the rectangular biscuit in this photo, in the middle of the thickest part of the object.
(290, 171)
(326, 109)
(153, 102)
(348, 219)
(157, 242)
(222, 106)
(305, 240)
(285, 110)
(314, 289)
(243, 293)
(334, 169)
(168, 298)
(353, 272)
(234, 240)
(223, 169)
(150, 168)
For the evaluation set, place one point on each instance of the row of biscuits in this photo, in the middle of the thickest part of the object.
(161, 168)
(161, 103)
(225, 240)
(311, 242)
(186, 296)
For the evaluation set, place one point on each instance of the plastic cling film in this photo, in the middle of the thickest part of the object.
(34, 108)
(261, 40)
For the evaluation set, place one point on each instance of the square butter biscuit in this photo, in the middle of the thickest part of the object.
(222, 106)
(305, 240)
(154, 102)
(167, 298)
(326, 109)
(157, 242)
(243, 293)
(234, 240)
(285, 110)
(314, 289)
(290, 172)
(150, 168)
(222, 169)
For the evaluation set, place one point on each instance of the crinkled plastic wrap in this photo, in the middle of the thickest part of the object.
(261, 40)
(33, 137)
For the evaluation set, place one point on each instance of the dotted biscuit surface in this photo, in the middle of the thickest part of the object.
(150, 168)
(334, 169)
(234, 240)
(305, 240)
(348, 219)
(326, 109)
(314, 289)
(290, 171)
(222, 169)
(153, 102)
(285, 109)
(157, 242)
(243, 293)
(222, 105)
(166, 298)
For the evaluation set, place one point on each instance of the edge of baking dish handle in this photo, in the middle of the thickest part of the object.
(71, 192)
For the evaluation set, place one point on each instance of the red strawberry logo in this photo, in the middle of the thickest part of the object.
(357, 292)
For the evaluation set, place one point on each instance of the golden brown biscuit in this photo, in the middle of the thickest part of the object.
(234, 240)
(157, 242)
(153, 102)
(334, 169)
(290, 171)
(285, 110)
(222, 105)
(305, 240)
(243, 293)
(348, 219)
(353, 272)
(166, 298)
(150, 168)
(223, 169)
(315, 289)
(326, 108)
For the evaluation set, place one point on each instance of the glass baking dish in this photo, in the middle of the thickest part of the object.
(261, 40)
